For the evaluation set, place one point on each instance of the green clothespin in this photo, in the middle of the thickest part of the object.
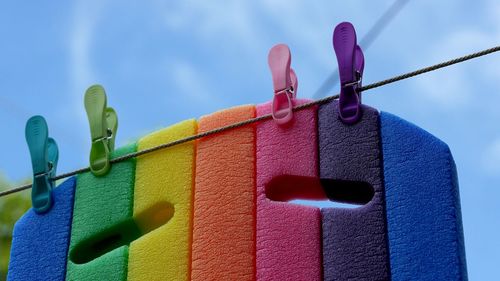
(103, 125)
(44, 155)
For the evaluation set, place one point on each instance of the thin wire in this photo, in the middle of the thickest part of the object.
(382, 23)
(268, 116)
(365, 43)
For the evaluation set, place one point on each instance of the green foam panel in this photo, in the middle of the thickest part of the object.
(102, 223)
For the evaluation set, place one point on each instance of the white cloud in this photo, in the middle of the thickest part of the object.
(193, 84)
(85, 19)
(232, 19)
(308, 25)
(456, 86)
(448, 89)
(308, 28)
(253, 25)
(86, 15)
(491, 158)
(493, 16)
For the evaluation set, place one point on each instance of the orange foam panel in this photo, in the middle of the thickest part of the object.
(224, 209)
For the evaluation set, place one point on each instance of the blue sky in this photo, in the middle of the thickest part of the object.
(163, 62)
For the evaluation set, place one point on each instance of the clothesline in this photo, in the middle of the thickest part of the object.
(268, 116)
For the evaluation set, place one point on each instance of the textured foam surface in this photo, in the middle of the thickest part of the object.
(40, 241)
(102, 226)
(354, 240)
(423, 205)
(163, 207)
(288, 235)
(224, 208)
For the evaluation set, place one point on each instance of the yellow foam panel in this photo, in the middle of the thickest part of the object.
(163, 208)
(224, 200)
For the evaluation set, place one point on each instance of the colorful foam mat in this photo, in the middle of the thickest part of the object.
(222, 207)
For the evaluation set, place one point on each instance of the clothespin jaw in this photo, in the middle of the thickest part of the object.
(103, 122)
(351, 65)
(284, 82)
(44, 156)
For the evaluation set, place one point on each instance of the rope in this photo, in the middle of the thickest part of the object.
(268, 116)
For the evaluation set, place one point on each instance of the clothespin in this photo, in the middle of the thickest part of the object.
(44, 155)
(351, 64)
(103, 126)
(284, 82)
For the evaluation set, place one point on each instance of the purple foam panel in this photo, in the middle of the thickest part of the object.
(354, 240)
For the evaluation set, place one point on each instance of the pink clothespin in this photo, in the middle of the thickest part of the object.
(284, 81)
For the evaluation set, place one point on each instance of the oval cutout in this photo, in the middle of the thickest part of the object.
(122, 234)
(319, 192)
(350, 192)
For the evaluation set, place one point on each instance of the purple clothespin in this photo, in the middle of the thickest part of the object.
(284, 82)
(351, 64)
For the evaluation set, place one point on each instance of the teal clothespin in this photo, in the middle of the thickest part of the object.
(44, 155)
(103, 125)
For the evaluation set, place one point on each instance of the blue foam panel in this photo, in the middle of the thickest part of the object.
(422, 204)
(40, 241)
